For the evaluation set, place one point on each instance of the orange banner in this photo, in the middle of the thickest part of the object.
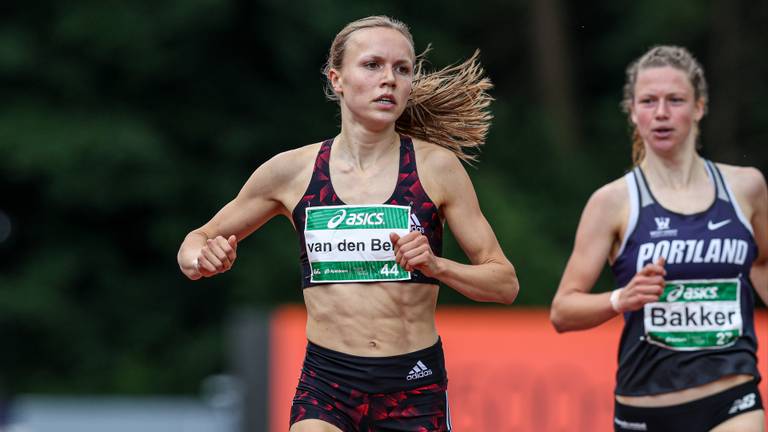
(508, 369)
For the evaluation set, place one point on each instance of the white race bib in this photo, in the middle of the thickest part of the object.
(695, 314)
(350, 243)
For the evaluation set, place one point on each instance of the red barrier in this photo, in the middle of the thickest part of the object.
(508, 369)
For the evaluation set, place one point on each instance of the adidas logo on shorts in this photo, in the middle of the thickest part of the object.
(418, 371)
(741, 404)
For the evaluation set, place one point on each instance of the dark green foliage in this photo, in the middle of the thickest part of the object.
(124, 125)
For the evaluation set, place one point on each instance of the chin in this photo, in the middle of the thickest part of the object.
(664, 147)
(381, 120)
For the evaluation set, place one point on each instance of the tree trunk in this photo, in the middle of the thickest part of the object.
(723, 73)
(552, 62)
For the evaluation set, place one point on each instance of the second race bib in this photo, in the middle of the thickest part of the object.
(695, 314)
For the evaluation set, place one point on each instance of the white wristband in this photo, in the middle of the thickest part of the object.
(615, 299)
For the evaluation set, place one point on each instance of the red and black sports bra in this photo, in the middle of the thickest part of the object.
(408, 192)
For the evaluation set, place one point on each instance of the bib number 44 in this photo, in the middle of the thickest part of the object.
(390, 271)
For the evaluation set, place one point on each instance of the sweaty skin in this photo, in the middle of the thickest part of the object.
(374, 319)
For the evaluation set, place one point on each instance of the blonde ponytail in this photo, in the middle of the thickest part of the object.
(449, 107)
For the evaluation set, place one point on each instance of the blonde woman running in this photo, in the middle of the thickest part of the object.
(369, 207)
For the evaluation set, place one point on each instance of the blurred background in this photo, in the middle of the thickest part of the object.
(124, 125)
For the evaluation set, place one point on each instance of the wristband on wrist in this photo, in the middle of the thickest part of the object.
(615, 299)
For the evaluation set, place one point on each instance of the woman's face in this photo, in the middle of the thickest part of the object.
(376, 76)
(664, 109)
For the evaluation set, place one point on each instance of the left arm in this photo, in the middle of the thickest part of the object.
(749, 186)
(490, 277)
(759, 220)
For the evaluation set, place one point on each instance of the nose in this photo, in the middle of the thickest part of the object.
(388, 77)
(662, 109)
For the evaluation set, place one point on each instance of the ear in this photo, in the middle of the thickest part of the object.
(334, 77)
(632, 116)
(699, 109)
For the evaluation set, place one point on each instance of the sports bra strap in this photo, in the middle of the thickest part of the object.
(645, 194)
(719, 185)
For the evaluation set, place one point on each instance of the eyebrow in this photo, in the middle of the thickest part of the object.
(379, 57)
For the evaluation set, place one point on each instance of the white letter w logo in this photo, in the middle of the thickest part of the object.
(662, 223)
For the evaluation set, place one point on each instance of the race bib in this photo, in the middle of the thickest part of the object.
(695, 314)
(351, 243)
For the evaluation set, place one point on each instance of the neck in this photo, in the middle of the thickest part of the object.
(676, 172)
(363, 148)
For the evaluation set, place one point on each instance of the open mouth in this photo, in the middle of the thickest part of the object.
(662, 132)
(385, 100)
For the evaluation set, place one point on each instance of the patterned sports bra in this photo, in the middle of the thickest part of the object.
(424, 214)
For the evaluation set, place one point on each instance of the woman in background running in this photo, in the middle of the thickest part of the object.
(687, 240)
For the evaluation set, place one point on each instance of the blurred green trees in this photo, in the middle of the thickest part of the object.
(124, 125)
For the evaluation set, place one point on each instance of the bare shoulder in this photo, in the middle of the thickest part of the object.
(434, 157)
(611, 196)
(748, 183)
(608, 207)
(294, 160)
(440, 171)
(284, 177)
(289, 167)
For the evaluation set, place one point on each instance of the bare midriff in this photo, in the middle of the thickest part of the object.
(372, 319)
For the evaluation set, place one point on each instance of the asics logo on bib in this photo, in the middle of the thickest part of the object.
(742, 404)
(692, 293)
(355, 219)
(419, 371)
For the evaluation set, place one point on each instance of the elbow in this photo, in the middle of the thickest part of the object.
(508, 299)
(557, 324)
(511, 288)
(510, 294)
(557, 319)
(503, 293)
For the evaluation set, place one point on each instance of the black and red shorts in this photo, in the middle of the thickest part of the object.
(406, 392)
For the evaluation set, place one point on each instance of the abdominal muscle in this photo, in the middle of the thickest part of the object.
(372, 319)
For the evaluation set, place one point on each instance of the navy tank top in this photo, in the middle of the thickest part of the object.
(425, 216)
(702, 327)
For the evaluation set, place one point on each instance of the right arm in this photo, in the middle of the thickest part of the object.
(211, 249)
(597, 237)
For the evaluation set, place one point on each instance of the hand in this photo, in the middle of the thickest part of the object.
(216, 256)
(412, 252)
(645, 287)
